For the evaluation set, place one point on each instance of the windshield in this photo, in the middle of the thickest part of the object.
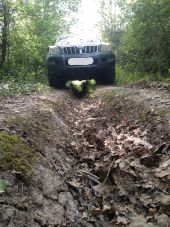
(77, 39)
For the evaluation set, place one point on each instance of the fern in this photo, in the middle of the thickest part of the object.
(2, 186)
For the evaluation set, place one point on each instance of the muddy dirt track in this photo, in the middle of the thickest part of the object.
(98, 161)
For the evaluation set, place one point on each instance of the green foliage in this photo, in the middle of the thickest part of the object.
(14, 87)
(111, 22)
(31, 26)
(139, 32)
(15, 154)
(125, 77)
(2, 186)
(146, 42)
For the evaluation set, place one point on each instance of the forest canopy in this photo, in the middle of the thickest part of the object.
(27, 27)
(139, 32)
(137, 29)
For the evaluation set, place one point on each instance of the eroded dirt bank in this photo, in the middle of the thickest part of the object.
(101, 161)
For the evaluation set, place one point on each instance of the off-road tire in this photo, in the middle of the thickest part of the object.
(108, 78)
(56, 82)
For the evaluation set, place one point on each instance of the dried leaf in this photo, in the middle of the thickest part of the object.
(122, 220)
(146, 199)
(75, 184)
(96, 211)
(163, 174)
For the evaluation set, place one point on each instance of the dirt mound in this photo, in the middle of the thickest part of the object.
(144, 84)
(102, 161)
(39, 197)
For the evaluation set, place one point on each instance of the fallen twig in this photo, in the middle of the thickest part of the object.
(89, 176)
(88, 173)
(108, 171)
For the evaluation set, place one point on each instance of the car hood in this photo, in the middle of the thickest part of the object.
(78, 44)
(77, 41)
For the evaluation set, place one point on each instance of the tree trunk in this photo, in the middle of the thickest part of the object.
(5, 32)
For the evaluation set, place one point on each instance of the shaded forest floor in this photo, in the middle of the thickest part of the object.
(98, 161)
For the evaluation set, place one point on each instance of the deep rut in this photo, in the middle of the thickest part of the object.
(92, 168)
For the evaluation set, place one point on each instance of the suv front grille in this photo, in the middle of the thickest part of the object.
(80, 50)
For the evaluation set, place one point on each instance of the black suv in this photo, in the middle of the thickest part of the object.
(75, 57)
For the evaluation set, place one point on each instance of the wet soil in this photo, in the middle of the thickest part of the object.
(100, 161)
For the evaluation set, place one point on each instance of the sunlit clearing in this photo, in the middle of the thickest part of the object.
(88, 17)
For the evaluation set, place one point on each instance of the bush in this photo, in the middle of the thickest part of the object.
(125, 77)
(11, 87)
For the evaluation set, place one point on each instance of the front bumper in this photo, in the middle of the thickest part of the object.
(58, 66)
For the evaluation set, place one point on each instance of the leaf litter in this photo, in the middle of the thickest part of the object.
(121, 173)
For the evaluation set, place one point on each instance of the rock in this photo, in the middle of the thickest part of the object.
(6, 214)
(38, 198)
(152, 211)
(122, 221)
(163, 220)
(165, 203)
(146, 200)
(66, 200)
(142, 224)
(48, 216)
(147, 160)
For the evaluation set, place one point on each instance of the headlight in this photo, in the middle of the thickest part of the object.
(54, 50)
(105, 48)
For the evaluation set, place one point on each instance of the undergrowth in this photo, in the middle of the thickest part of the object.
(124, 77)
(12, 87)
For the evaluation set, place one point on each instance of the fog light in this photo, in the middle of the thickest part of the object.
(109, 59)
(52, 62)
